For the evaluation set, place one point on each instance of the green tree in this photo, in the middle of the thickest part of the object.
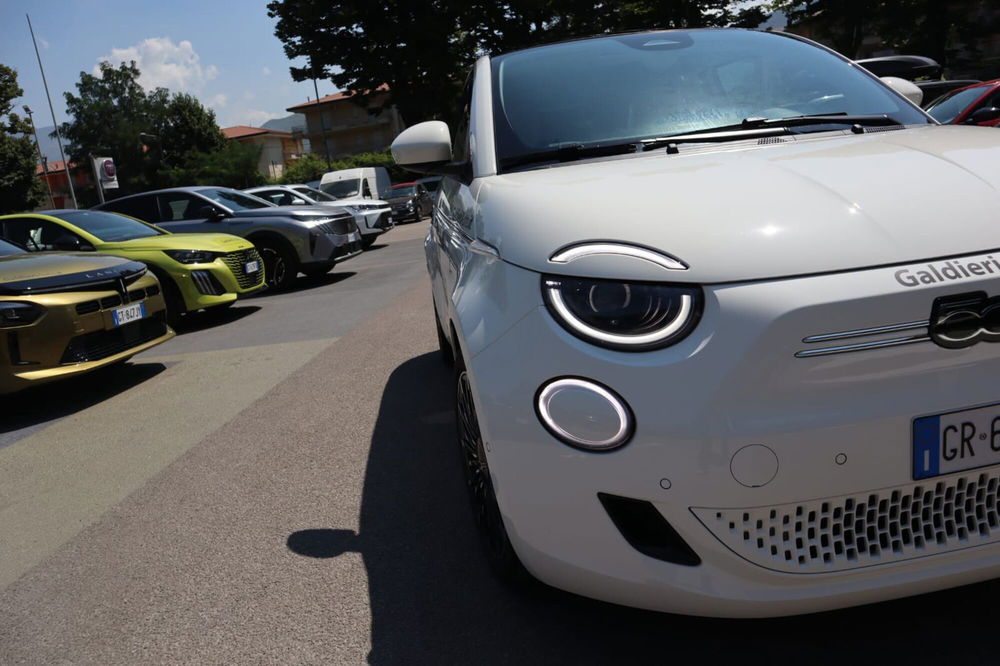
(423, 50)
(20, 189)
(945, 31)
(233, 165)
(147, 133)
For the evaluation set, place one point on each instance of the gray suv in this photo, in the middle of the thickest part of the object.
(291, 239)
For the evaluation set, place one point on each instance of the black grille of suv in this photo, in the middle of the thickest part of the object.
(114, 301)
(236, 261)
(340, 225)
(102, 344)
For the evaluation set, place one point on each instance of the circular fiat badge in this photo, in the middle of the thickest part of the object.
(109, 169)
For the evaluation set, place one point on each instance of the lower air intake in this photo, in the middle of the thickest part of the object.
(646, 530)
(856, 531)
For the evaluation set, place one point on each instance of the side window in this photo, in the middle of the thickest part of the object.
(37, 235)
(365, 191)
(460, 149)
(277, 197)
(176, 206)
(141, 208)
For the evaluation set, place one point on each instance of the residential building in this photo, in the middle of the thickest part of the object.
(54, 174)
(278, 147)
(337, 125)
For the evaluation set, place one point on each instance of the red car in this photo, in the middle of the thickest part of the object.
(977, 104)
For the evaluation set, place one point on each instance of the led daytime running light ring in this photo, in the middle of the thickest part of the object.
(626, 421)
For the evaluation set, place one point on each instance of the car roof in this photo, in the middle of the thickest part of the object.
(412, 182)
(183, 188)
(981, 84)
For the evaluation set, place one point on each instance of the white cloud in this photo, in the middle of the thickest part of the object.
(45, 43)
(265, 71)
(162, 63)
(218, 101)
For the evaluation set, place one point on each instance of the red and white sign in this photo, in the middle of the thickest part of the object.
(105, 169)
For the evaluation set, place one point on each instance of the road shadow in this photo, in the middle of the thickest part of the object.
(35, 407)
(376, 246)
(434, 600)
(304, 283)
(206, 319)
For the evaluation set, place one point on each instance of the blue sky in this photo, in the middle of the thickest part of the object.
(222, 51)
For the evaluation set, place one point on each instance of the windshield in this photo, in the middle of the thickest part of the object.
(109, 227)
(621, 88)
(314, 194)
(431, 184)
(341, 189)
(8, 249)
(234, 200)
(948, 107)
(404, 191)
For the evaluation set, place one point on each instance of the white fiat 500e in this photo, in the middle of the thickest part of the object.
(721, 306)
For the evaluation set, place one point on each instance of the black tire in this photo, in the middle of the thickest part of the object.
(173, 298)
(316, 271)
(489, 523)
(281, 264)
(368, 241)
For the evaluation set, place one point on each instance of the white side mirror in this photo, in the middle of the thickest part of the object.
(907, 89)
(425, 143)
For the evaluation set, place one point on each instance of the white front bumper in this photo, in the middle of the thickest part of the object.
(839, 425)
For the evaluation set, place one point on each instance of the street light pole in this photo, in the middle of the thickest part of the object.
(45, 163)
(62, 155)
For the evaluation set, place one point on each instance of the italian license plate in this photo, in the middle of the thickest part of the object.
(251, 266)
(129, 313)
(956, 441)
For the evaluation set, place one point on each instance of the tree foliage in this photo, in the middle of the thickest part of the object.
(945, 31)
(422, 50)
(147, 133)
(233, 165)
(312, 166)
(20, 189)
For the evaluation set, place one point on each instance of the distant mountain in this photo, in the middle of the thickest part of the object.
(286, 123)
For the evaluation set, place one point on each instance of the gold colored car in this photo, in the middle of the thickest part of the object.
(63, 314)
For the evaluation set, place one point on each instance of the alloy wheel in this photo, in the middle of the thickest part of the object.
(274, 265)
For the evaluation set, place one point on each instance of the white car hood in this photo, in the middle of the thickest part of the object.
(823, 203)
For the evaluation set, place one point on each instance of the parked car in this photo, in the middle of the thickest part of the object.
(65, 314)
(364, 183)
(717, 352)
(409, 201)
(978, 104)
(290, 239)
(934, 89)
(195, 270)
(372, 216)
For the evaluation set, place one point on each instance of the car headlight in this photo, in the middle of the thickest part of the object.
(629, 316)
(193, 256)
(16, 313)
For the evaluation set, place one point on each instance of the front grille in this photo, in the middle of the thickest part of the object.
(237, 260)
(206, 283)
(102, 344)
(850, 532)
(340, 226)
(88, 307)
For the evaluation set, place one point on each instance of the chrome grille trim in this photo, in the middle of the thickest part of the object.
(865, 332)
(864, 529)
(235, 262)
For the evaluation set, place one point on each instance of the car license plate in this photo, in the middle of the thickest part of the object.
(251, 266)
(956, 441)
(129, 313)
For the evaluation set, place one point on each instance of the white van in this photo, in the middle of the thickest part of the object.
(364, 183)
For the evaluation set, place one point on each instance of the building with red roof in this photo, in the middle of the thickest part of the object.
(278, 147)
(336, 125)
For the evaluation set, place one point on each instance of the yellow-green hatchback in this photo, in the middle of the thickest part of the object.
(196, 271)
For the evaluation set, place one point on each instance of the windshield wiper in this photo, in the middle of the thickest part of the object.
(751, 127)
(573, 151)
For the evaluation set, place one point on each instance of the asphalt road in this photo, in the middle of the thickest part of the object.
(279, 484)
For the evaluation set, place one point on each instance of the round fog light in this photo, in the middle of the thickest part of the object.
(584, 414)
